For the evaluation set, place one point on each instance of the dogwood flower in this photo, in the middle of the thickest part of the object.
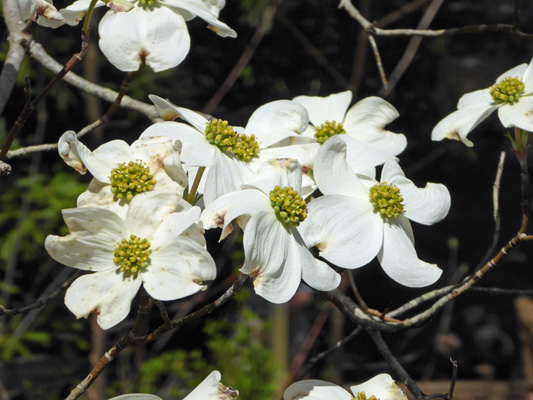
(365, 121)
(380, 387)
(151, 246)
(154, 32)
(41, 11)
(209, 389)
(359, 218)
(121, 171)
(511, 95)
(269, 209)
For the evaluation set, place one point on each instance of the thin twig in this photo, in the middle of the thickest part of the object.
(41, 302)
(377, 56)
(162, 311)
(455, 366)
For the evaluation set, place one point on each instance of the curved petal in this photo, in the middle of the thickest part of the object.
(366, 121)
(333, 174)
(157, 37)
(345, 230)
(314, 389)
(136, 396)
(99, 194)
(194, 118)
(106, 157)
(75, 12)
(398, 256)
(173, 226)
(272, 258)
(107, 294)
(197, 7)
(330, 108)
(460, 123)
(94, 232)
(475, 98)
(381, 386)
(70, 148)
(212, 389)
(517, 71)
(164, 108)
(225, 175)
(362, 157)
(527, 78)
(196, 151)
(178, 270)
(283, 172)
(276, 121)
(518, 115)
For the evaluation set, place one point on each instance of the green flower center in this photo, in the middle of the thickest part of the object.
(327, 130)
(289, 206)
(386, 200)
(246, 147)
(507, 90)
(147, 3)
(362, 396)
(132, 255)
(128, 180)
(219, 133)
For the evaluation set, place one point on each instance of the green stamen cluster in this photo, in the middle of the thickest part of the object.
(221, 134)
(362, 396)
(147, 3)
(386, 200)
(128, 180)
(327, 130)
(246, 147)
(507, 90)
(289, 206)
(132, 255)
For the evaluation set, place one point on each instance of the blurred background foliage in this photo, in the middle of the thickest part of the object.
(309, 48)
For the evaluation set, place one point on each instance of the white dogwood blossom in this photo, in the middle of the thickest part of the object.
(154, 246)
(153, 32)
(359, 218)
(41, 11)
(511, 95)
(365, 121)
(122, 172)
(380, 387)
(269, 209)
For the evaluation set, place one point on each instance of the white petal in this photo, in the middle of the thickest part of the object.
(381, 386)
(178, 270)
(69, 149)
(136, 396)
(164, 108)
(366, 121)
(194, 118)
(272, 258)
(107, 294)
(398, 256)
(212, 389)
(147, 212)
(94, 232)
(276, 121)
(460, 123)
(345, 230)
(283, 172)
(225, 175)
(322, 109)
(332, 171)
(517, 71)
(527, 78)
(362, 157)
(475, 98)
(518, 115)
(196, 149)
(158, 37)
(173, 226)
(198, 8)
(313, 389)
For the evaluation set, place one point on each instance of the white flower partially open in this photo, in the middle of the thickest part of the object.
(511, 95)
(380, 387)
(151, 246)
(122, 172)
(269, 209)
(41, 11)
(359, 218)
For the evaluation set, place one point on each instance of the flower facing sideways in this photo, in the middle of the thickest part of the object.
(210, 389)
(511, 95)
(359, 218)
(380, 387)
(154, 246)
(269, 209)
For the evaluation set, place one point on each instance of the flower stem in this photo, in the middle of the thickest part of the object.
(88, 16)
(196, 183)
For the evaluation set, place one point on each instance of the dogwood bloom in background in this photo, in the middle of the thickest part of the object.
(269, 210)
(209, 389)
(122, 171)
(359, 218)
(41, 11)
(365, 121)
(154, 32)
(380, 387)
(150, 246)
(511, 95)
